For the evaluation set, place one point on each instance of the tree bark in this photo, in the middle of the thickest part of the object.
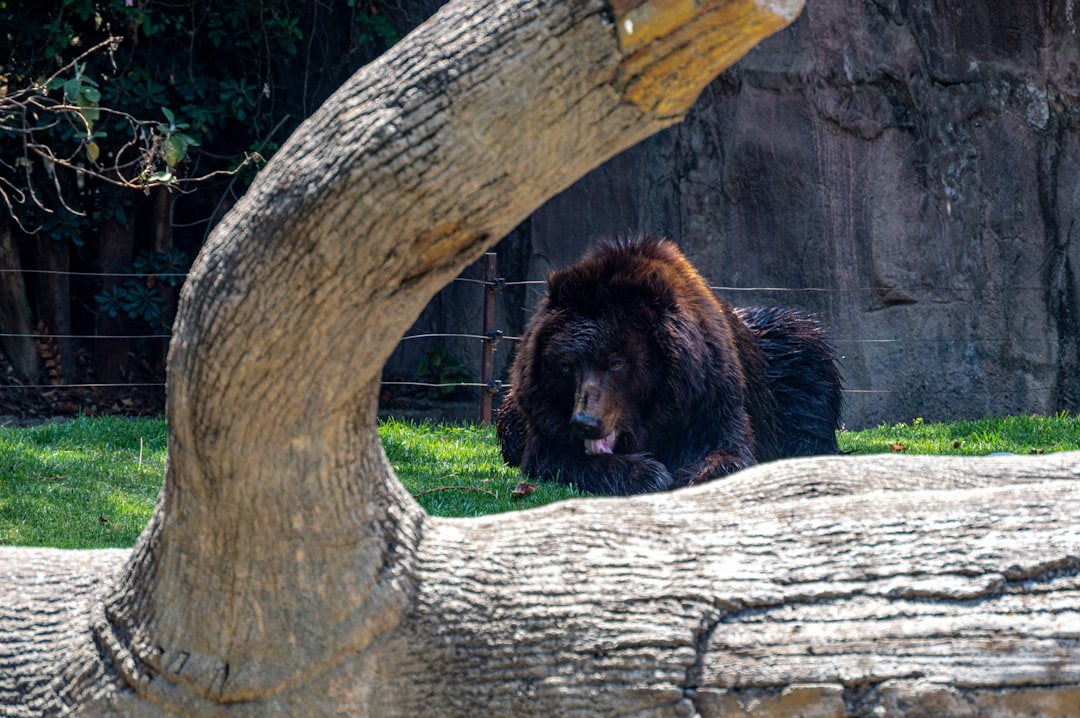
(111, 356)
(163, 243)
(54, 299)
(286, 572)
(15, 324)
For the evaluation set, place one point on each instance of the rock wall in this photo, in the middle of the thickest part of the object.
(909, 170)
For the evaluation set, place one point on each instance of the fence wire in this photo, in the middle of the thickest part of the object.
(498, 284)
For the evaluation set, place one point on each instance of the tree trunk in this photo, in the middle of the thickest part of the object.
(286, 572)
(111, 355)
(54, 298)
(16, 331)
(163, 243)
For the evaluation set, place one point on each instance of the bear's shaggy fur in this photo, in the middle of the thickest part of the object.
(633, 376)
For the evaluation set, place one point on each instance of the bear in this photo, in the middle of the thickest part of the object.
(633, 376)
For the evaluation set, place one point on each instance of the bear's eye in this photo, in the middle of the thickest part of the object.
(566, 367)
(616, 364)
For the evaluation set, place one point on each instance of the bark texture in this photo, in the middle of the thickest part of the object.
(878, 586)
(285, 571)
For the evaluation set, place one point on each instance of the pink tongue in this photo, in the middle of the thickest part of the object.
(601, 446)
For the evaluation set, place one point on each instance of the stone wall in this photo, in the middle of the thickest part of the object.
(909, 170)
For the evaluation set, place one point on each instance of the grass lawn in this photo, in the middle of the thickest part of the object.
(85, 483)
(92, 482)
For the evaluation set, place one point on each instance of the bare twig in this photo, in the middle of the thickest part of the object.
(492, 494)
(144, 148)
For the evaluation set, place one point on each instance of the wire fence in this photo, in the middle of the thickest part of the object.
(489, 335)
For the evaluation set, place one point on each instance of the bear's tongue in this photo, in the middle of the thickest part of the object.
(601, 446)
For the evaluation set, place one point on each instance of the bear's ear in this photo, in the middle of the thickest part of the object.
(561, 291)
(555, 292)
(661, 294)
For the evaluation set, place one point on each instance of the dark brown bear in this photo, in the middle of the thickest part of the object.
(633, 376)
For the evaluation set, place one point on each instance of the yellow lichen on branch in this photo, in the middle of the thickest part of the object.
(675, 47)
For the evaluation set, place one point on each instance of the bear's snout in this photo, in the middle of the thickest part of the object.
(587, 424)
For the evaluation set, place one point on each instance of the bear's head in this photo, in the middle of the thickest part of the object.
(597, 360)
(618, 349)
(600, 375)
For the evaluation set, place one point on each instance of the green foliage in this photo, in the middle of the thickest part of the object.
(175, 142)
(238, 97)
(63, 225)
(374, 28)
(102, 101)
(165, 267)
(83, 92)
(92, 483)
(142, 301)
(438, 367)
(140, 297)
(224, 75)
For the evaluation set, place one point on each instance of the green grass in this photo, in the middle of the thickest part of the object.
(456, 470)
(1013, 434)
(86, 483)
(92, 482)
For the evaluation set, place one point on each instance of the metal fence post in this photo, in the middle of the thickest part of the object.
(487, 354)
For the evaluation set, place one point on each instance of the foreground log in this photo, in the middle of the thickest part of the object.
(826, 586)
(286, 572)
